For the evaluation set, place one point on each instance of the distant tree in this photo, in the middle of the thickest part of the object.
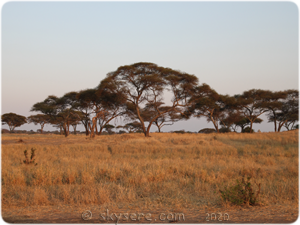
(207, 131)
(13, 120)
(164, 120)
(230, 120)
(89, 104)
(58, 125)
(243, 122)
(252, 104)
(247, 130)
(75, 119)
(224, 130)
(108, 128)
(133, 127)
(167, 120)
(208, 103)
(41, 119)
(144, 83)
(100, 106)
(113, 102)
(58, 109)
(286, 113)
(274, 104)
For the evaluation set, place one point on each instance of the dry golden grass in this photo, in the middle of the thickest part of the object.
(129, 170)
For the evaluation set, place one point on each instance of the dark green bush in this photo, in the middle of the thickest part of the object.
(32, 160)
(247, 130)
(241, 193)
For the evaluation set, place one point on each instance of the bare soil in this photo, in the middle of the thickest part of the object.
(72, 214)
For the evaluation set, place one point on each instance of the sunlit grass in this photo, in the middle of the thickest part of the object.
(174, 170)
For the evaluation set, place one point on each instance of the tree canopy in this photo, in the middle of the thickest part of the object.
(144, 83)
(13, 120)
(137, 93)
(41, 119)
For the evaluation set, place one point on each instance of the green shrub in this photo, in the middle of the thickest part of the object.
(241, 193)
(247, 130)
(179, 131)
(32, 160)
(224, 130)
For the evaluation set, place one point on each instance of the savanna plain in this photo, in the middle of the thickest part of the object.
(166, 172)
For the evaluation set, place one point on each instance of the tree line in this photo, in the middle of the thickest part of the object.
(136, 92)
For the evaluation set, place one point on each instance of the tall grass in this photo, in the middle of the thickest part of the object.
(165, 170)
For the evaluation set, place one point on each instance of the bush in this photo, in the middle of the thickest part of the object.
(32, 160)
(179, 131)
(247, 130)
(241, 193)
(207, 131)
(224, 130)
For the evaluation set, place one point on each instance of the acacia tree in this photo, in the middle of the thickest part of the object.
(252, 104)
(144, 83)
(164, 120)
(243, 122)
(108, 128)
(58, 109)
(87, 105)
(13, 120)
(229, 120)
(275, 103)
(75, 119)
(41, 119)
(134, 126)
(57, 123)
(288, 112)
(208, 103)
(100, 106)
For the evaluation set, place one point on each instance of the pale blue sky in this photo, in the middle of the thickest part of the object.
(51, 48)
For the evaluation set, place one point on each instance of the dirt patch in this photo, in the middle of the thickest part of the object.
(47, 214)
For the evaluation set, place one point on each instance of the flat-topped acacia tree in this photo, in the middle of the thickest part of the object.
(13, 120)
(102, 104)
(58, 109)
(144, 83)
(208, 103)
(253, 103)
(41, 119)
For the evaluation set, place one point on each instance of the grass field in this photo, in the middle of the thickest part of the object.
(178, 171)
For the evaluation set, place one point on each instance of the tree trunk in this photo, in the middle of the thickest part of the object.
(215, 125)
(42, 127)
(147, 133)
(275, 121)
(74, 127)
(96, 127)
(92, 133)
(251, 123)
(87, 132)
(92, 128)
(280, 126)
(66, 130)
(100, 131)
